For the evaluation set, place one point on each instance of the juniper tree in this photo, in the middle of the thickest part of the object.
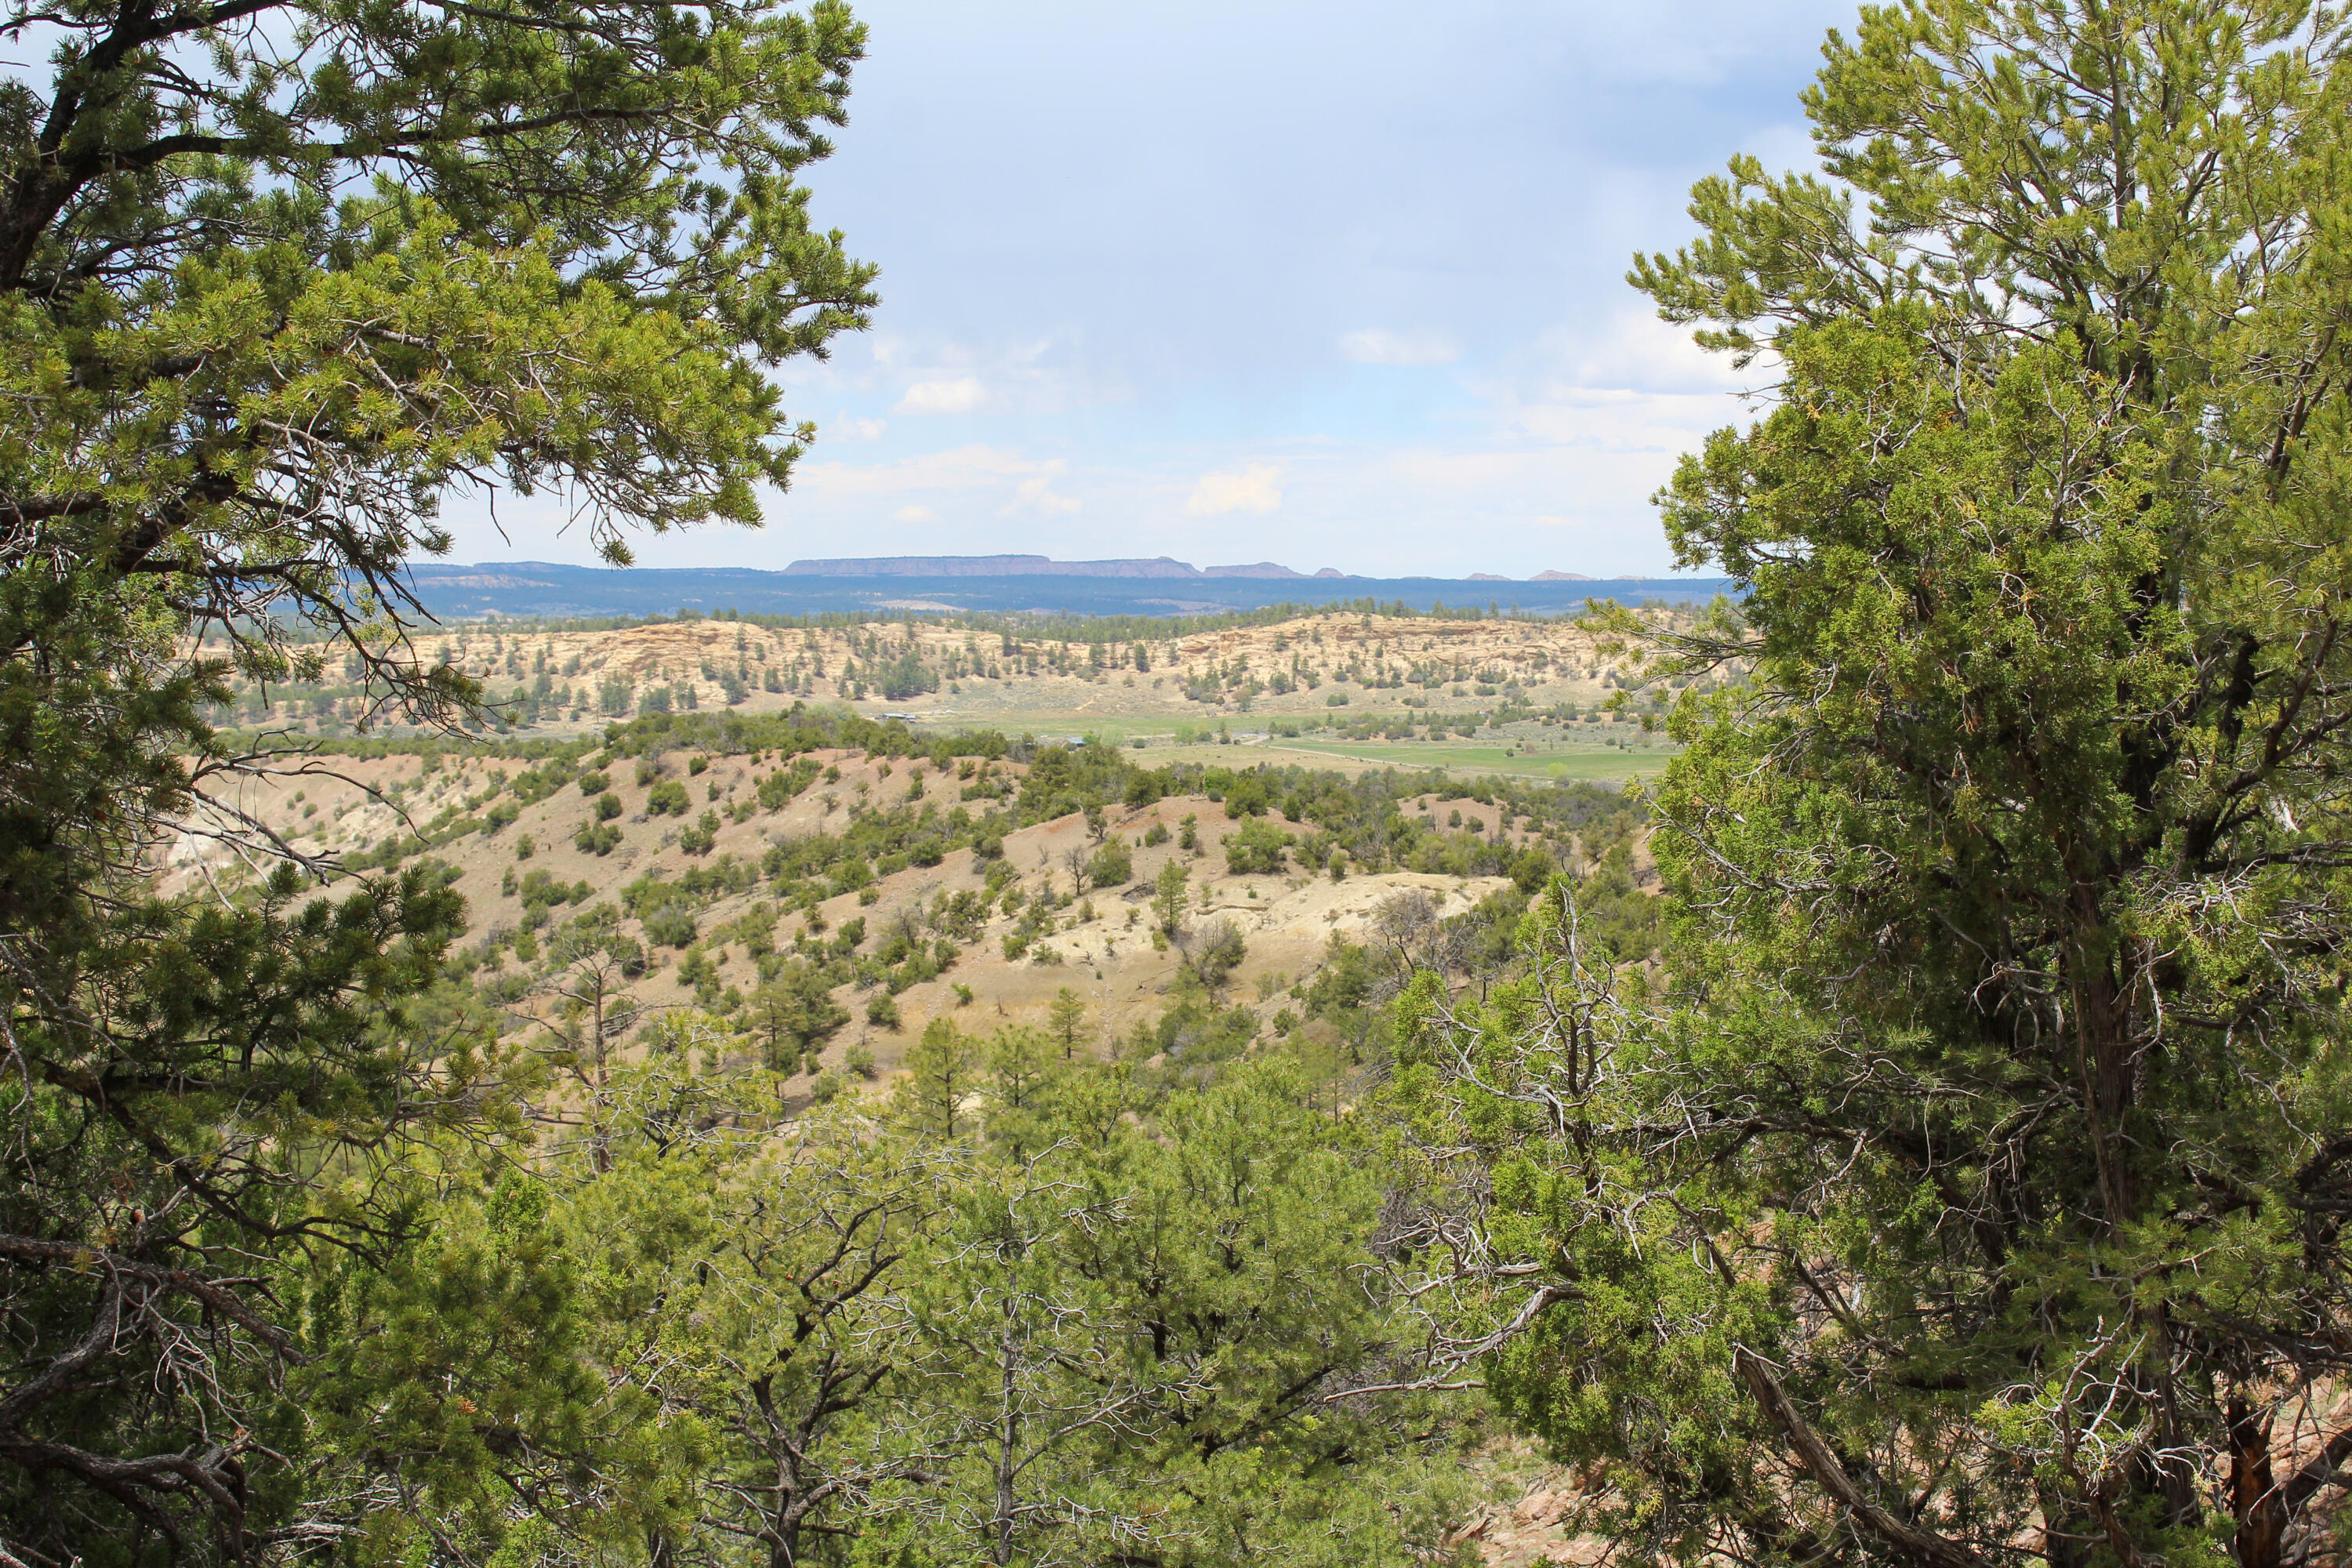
(1969, 1182)
(274, 279)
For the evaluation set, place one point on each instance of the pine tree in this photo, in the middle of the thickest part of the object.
(943, 1069)
(1968, 1185)
(1068, 1013)
(273, 279)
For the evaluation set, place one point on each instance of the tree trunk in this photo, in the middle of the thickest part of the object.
(2255, 1499)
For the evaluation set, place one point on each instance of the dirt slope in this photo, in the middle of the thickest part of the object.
(1108, 955)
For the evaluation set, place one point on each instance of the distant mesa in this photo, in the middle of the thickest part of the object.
(888, 585)
(1163, 566)
(1261, 569)
(1034, 566)
(477, 578)
(998, 566)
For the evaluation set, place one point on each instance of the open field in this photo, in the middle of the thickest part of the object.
(1599, 764)
(1601, 754)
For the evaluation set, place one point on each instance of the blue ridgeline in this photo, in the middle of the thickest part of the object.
(532, 589)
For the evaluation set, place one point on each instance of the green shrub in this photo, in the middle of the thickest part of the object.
(1257, 846)
(1216, 952)
(1531, 871)
(671, 925)
(1113, 866)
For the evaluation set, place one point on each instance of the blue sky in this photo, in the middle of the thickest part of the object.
(1327, 284)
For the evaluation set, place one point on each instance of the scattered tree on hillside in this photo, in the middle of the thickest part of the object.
(1068, 1015)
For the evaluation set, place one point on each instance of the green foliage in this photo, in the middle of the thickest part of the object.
(904, 677)
(1530, 869)
(275, 280)
(792, 1016)
(699, 838)
(1245, 795)
(597, 838)
(1171, 896)
(1956, 1192)
(780, 788)
(1211, 952)
(1112, 865)
(943, 1067)
(1067, 1013)
(1346, 982)
(1100, 1316)
(1256, 847)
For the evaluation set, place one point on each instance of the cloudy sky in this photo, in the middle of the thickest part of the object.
(1327, 282)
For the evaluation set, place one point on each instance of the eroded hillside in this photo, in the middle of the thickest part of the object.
(844, 895)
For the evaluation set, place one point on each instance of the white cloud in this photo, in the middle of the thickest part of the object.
(1257, 488)
(958, 468)
(1634, 350)
(1784, 149)
(1378, 346)
(1618, 421)
(857, 429)
(1029, 482)
(1619, 395)
(1035, 494)
(960, 396)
